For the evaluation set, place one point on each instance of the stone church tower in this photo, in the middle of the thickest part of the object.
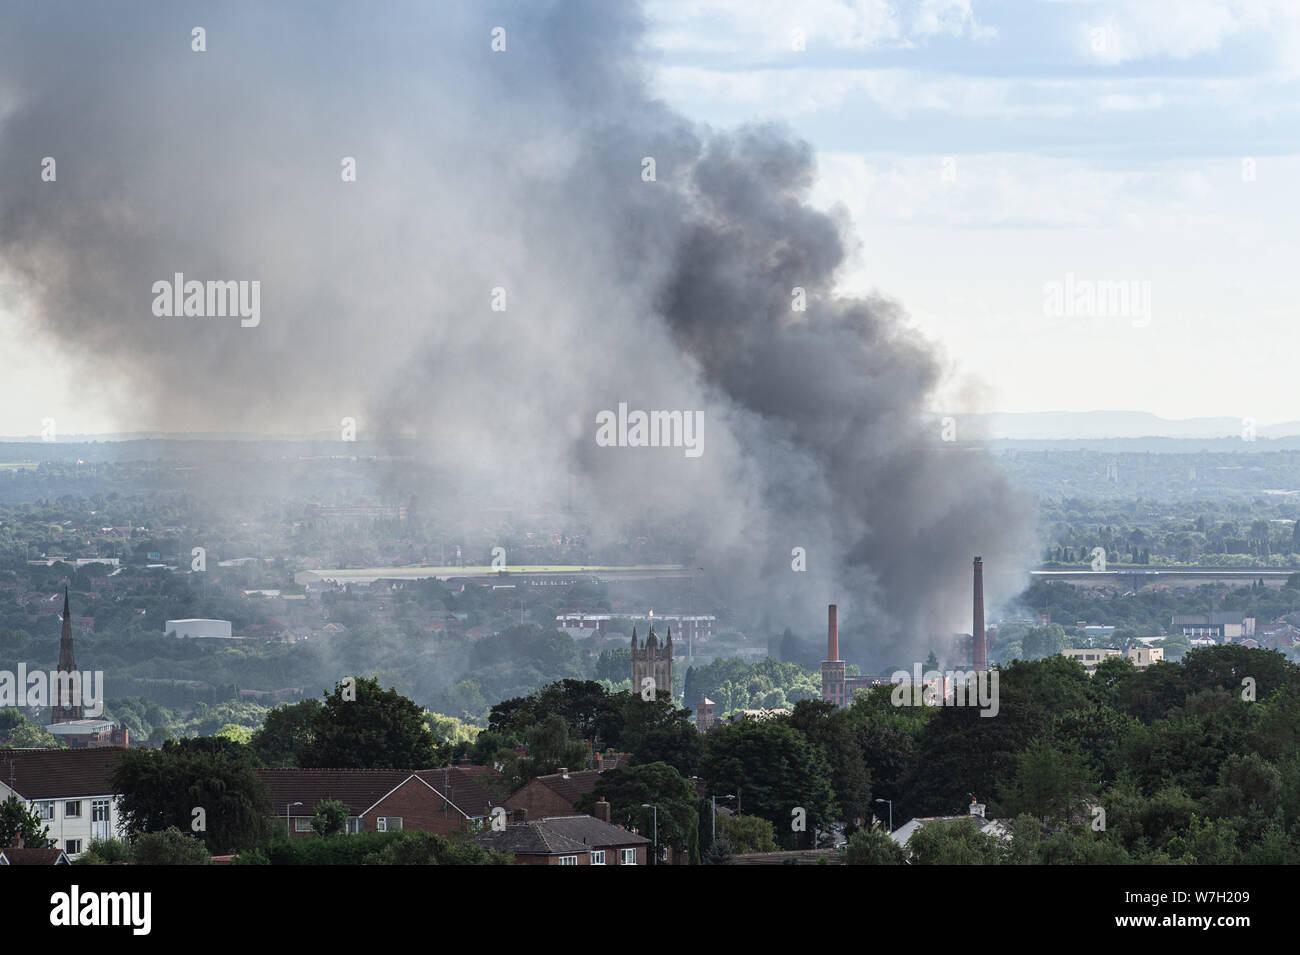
(653, 661)
(65, 714)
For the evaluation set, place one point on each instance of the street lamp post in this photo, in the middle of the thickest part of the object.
(655, 840)
(286, 816)
(714, 836)
(891, 812)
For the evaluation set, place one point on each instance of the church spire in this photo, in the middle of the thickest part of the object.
(67, 664)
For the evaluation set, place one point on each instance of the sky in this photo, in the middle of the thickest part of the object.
(986, 150)
(984, 154)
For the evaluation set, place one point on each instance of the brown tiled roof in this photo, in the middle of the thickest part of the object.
(56, 773)
(463, 790)
(33, 856)
(360, 789)
(569, 786)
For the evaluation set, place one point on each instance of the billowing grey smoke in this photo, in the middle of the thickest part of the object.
(477, 170)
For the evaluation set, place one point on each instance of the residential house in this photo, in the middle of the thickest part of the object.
(990, 827)
(69, 789)
(553, 795)
(380, 800)
(567, 840)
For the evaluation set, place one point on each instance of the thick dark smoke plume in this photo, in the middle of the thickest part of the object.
(479, 169)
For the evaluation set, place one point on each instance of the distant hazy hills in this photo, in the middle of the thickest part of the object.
(1096, 425)
(1026, 426)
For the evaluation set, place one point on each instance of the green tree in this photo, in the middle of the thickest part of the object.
(329, 818)
(17, 820)
(775, 771)
(427, 848)
(955, 842)
(629, 789)
(747, 834)
(873, 847)
(285, 731)
(830, 729)
(679, 745)
(1049, 784)
(170, 847)
(107, 852)
(552, 746)
(204, 779)
(366, 727)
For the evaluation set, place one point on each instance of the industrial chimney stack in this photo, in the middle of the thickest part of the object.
(832, 633)
(834, 688)
(978, 636)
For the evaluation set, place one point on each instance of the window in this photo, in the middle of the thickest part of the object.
(568, 860)
(627, 857)
(388, 823)
(354, 825)
(99, 819)
(72, 846)
(45, 810)
(598, 858)
(72, 809)
(302, 824)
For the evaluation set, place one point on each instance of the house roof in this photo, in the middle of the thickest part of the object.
(558, 835)
(570, 786)
(593, 833)
(529, 838)
(56, 773)
(990, 827)
(358, 789)
(361, 789)
(1214, 619)
(463, 790)
(33, 857)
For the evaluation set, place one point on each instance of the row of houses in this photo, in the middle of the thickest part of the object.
(71, 791)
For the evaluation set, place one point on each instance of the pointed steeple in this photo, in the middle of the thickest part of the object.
(669, 642)
(652, 640)
(67, 664)
(634, 636)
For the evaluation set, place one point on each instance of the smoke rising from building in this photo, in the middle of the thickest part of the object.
(479, 170)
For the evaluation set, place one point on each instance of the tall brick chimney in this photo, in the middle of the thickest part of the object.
(602, 810)
(980, 648)
(832, 633)
(834, 688)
